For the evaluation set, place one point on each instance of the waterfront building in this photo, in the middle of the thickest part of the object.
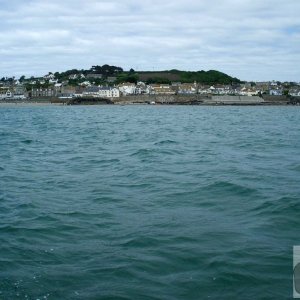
(161, 89)
(127, 88)
(20, 92)
(101, 92)
(43, 92)
(187, 88)
(276, 91)
(108, 92)
(5, 94)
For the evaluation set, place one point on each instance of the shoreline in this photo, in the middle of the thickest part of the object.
(41, 104)
(160, 99)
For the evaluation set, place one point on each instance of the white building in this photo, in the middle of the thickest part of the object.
(108, 92)
(101, 92)
(142, 88)
(276, 92)
(5, 94)
(49, 76)
(127, 88)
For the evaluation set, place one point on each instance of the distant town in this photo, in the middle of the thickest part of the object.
(110, 82)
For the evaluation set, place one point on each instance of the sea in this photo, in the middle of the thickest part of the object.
(148, 202)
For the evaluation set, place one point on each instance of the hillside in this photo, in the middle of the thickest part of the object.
(107, 74)
(204, 77)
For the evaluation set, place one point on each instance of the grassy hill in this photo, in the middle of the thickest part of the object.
(204, 77)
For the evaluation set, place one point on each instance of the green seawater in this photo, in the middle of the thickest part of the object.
(148, 202)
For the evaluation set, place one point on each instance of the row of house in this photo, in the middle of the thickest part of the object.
(86, 89)
(185, 88)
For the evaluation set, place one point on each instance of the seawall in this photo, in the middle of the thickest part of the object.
(193, 99)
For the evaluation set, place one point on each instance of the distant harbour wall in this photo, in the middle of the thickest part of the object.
(270, 99)
(241, 100)
(193, 99)
(161, 99)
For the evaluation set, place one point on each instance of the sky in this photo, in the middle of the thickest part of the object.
(249, 39)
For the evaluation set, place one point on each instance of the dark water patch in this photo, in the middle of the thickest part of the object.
(28, 142)
(103, 162)
(165, 142)
(229, 188)
(143, 153)
(296, 168)
(141, 242)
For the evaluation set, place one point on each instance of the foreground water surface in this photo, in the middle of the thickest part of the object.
(148, 202)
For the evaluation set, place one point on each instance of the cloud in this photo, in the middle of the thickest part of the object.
(249, 39)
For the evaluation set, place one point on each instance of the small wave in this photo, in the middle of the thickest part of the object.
(3, 134)
(142, 152)
(103, 161)
(141, 242)
(165, 142)
(27, 142)
(28, 205)
(296, 168)
(229, 187)
(133, 185)
(283, 206)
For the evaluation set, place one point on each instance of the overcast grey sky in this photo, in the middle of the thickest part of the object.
(248, 39)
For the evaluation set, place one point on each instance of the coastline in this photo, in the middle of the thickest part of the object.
(197, 100)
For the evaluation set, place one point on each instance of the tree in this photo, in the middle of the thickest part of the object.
(106, 70)
(22, 78)
(158, 80)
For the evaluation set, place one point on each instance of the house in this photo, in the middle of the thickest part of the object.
(94, 75)
(101, 92)
(5, 94)
(109, 92)
(53, 81)
(276, 92)
(66, 91)
(43, 92)
(212, 90)
(141, 88)
(79, 91)
(91, 91)
(161, 89)
(49, 76)
(295, 92)
(263, 87)
(127, 88)
(57, 86)
(73, 76)
(187, 88)
(20, 92)
(247, 91)
(85, 83)
(204, 90)
(222, 89)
